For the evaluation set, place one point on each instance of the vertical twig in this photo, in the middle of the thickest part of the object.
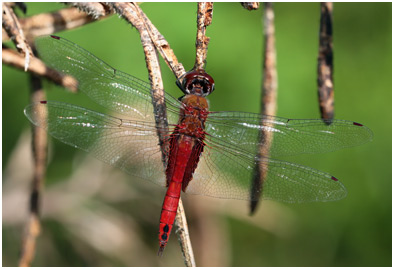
(325, 64)
(149, 38)
(268, 103)
(204, 19)
(184, 238)
(32, 229)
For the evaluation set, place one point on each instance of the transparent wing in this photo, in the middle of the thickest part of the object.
(227, 164)
(131, 145)
(105, 85)
(226, 171)
(290, 136)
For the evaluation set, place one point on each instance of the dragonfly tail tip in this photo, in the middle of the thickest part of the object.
(161, 250)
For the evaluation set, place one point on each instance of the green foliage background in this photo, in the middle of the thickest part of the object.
(355, 231)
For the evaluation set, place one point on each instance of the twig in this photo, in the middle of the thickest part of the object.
(32, 229)
(184, 237)
(94, 9)
(269, 106)
(250, 5)
(325, 64)
(129, 12)
(12, 27)
(49, 23)
(38, 67)
(204, 18)
(133, 14)
(20, 5)
(162, 45)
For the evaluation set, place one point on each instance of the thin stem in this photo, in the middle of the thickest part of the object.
(184, 238)
(268, 103)
(40, 142)
(325, 64)
(204, 18)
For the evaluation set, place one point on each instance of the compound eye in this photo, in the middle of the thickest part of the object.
(206, 89)
(211, 89)
(197, 82)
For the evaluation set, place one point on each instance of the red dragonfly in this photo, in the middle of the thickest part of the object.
(210, 153)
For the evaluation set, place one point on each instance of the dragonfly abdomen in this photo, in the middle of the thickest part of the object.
(181, 147)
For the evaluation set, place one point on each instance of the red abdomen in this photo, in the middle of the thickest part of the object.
(184, 154)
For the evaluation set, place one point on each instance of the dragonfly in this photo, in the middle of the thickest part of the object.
(209, 153)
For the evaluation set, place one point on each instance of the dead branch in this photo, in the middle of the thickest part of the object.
(94, 9)
(204, 18)
(268, 102)
(129, 12)
(162, 45)
(32, 230)
(160, 42)
(184, 238)
(40, 143)
(270, 80)
(37, 67)
(325, 64)
(64, 19)
(12, 27)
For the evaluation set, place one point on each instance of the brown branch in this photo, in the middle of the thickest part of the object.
(94, 9)
(250, 5)
(184, 238)
(204, 18)
(32, 229)
(37, 67)
(162, 45)
(158, 39)
(4, 35)
(268, 103)
(129, 12)
(150, 39)
(325, 64)
(49, 23)
(12, 27)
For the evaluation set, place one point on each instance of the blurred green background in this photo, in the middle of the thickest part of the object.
(95, 216)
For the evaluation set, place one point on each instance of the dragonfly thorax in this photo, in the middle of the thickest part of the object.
(193, 115)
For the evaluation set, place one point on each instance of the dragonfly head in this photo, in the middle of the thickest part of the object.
(196, 82)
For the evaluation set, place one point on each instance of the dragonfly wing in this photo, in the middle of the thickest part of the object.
(225, 171)
(131, 145)
(104, 84)
(290, 136)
